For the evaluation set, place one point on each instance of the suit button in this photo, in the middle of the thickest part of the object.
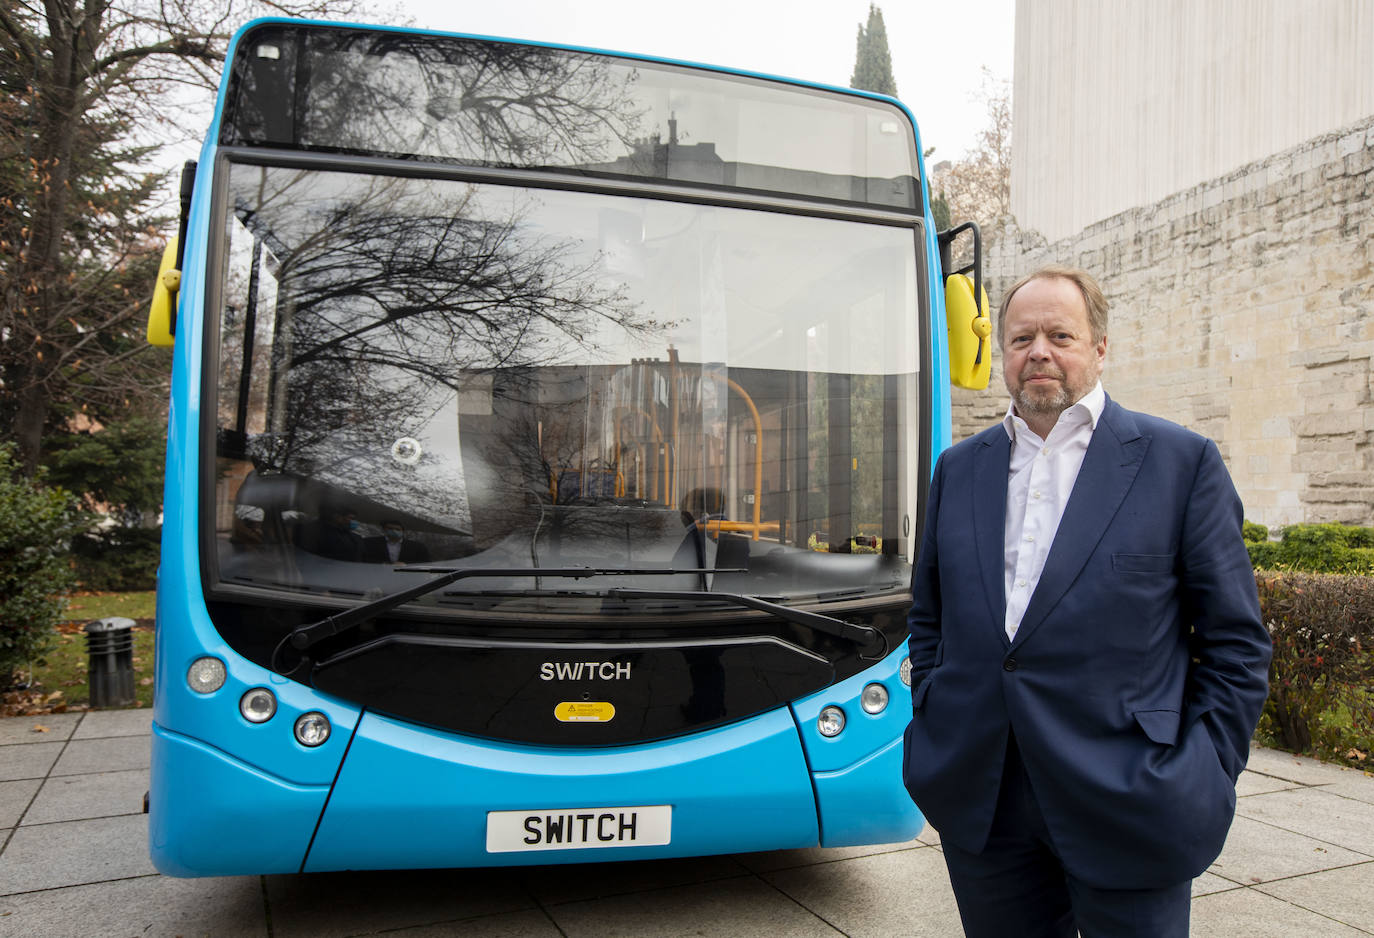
(1009, 664)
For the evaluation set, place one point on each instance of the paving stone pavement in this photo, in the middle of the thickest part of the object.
(73, 862)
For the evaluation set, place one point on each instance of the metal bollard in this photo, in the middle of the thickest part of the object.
(110, 644)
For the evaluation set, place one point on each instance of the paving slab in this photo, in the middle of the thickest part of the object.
(28, 760)
(1285, 765)
(1257, 852)
(1346, 894)
(149, 907)
(1208, 883)
(1356, 785)
(15, 798)
(733, 908)
(50, 727)
(101, 723)
(74, 797)
(361, 903)
(531, 924)
(1254, 914)
(72, 853)
(902, 893)
(111, 754)
(809, 856)
(1344, 822)
(551, 885)
(1253, 783)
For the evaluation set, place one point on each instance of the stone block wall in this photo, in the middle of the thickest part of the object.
(1244, 309)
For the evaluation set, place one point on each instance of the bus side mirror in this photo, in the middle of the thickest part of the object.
(164, 298)
(970, 349)
(966, 312)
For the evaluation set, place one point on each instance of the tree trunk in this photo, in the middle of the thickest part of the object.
(41, 269)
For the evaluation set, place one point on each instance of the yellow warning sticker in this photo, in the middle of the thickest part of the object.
(590, 711)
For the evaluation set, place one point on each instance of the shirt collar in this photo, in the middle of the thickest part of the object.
(1089, 407)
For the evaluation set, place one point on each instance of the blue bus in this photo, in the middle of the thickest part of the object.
(548, 440)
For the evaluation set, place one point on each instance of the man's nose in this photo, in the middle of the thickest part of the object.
(1040, 348)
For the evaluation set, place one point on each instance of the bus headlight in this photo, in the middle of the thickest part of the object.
(258, 705)
(312, 728)
(206, 675)
(905, 671)
(874, 699)
(831, 722)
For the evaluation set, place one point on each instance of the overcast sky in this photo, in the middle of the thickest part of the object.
(938, 47)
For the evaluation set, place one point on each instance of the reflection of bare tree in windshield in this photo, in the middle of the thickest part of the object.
(394, 299)
(395, 93)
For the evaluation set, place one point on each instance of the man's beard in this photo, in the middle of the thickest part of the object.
(1043, 405)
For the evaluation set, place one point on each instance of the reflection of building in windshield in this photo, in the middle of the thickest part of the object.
(700, 163)
(650, 433)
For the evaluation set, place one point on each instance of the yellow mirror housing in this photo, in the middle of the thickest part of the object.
(969, 326)
(165, 291)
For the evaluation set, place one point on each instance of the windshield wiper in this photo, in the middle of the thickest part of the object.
(862, 635)
(306, 636)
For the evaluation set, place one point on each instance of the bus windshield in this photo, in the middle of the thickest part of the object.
(456, 373)
(446, 99)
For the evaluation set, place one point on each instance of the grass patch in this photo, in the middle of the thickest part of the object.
(83, 607)
(60, 679)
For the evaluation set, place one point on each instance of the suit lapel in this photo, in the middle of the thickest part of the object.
(1109, 469)
(991, 462)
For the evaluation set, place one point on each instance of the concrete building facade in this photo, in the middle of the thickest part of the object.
(1125, 103)
(1212, 163)
(1242, 307)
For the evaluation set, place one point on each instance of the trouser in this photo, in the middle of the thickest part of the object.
(1017, 885)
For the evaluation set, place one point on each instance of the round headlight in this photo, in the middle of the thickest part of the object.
(874, 699)
(312, 728)
(206, 675)
(258, 705)
(830, 722)
(905, 671)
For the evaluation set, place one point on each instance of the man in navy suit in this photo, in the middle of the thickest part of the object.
(1087, 657)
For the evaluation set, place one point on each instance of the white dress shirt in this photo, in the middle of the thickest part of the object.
(1039, 482)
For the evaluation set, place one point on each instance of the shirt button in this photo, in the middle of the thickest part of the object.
(1037, 494)
(1030, 538)
(1044, 451)
(1009, 664)
(1021, 583)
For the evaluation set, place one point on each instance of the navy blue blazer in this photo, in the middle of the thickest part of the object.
(1137, 674)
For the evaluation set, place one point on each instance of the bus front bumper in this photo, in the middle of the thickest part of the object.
(408, 798)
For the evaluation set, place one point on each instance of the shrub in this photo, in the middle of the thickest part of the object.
(1317, 548)
(118, 469)
(1254, 533)
(1322, 626)
(36, 523)
(118, 559)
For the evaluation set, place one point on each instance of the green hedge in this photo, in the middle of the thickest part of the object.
(1313, 548)
(1321, 679)
(118, 559)
(36, 525)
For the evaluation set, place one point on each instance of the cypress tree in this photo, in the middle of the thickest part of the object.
(872, 61)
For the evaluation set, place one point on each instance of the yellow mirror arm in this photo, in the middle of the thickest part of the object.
(165, 291)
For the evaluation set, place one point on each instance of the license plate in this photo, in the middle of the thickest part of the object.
(578, 828)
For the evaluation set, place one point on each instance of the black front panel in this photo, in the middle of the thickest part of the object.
(573, 694)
